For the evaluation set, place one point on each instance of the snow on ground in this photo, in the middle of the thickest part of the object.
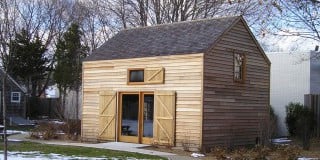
(281, 141)
(15, 132)
(52, 156)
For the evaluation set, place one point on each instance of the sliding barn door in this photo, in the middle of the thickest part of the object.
(107, 113)
(164, 118)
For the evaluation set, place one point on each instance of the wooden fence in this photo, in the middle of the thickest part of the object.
(40, 107)
(313, 101)
(48, 107)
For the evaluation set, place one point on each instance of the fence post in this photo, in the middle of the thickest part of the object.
(313, 101)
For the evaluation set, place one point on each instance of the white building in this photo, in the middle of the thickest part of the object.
(292, 76)
(52, 92)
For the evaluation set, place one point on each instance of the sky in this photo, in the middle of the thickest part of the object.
(273, 43)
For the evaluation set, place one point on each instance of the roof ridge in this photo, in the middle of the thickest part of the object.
(180, 22)
(184, 37)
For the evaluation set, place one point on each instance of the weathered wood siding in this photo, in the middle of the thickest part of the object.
(13, 108)
(183, 74)
(233, 113)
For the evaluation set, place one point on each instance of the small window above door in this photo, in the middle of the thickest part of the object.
(145, 76)
(135, 76)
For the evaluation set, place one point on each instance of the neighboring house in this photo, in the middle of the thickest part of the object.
(15, 97)
(194, 84)
(292, 75)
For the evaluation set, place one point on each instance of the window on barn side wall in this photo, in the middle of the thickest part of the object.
(239, 67)
(15, 97)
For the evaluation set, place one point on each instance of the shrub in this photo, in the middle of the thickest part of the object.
(273, 122)
(306, 124)
(45, 131)
(53, 130)
(219, 152)
(261, 152)
(293, 111)
(290, 152)
(72, 128)
(300, 122)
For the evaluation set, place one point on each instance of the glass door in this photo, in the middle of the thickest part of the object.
(129, 118)
(147, 119)
(136, 117)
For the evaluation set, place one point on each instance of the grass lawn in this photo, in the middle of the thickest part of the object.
(76, 151)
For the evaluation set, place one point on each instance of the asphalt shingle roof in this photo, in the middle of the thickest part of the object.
(161, 40)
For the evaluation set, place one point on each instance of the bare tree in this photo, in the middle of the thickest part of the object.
(292, 18)
(8, 18)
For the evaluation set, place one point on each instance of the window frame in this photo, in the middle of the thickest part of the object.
(129, 74)
(243, 68)
(19, 97)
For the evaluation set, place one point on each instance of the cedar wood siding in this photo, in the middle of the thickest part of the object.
(233, 112)
(183, 74)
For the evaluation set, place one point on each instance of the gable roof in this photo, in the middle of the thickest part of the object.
(167, 39)
(24, 90)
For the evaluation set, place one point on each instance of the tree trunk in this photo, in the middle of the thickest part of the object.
(28, 96)
(63, 102)
(34, 88)
(5, 142)
(157, 10)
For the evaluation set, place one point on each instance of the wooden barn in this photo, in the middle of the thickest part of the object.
(191, 85)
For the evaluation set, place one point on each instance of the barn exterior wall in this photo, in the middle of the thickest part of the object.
(234, 113)
(183, 74)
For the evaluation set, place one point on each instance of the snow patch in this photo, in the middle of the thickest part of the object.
(196, 155)
(36, 155)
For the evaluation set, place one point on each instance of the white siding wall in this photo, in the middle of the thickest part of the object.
(314, 73)
(290, 80)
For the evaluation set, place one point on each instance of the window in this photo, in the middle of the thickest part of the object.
(15, 97)
(148, 75)
(136, 75)
(239, 67)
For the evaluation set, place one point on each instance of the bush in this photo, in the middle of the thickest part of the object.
(54, 130)
(273, 123)
(290, 152)
(72, 128)
(293, 111)
(45, 131)
(306, 125)
(300, 122)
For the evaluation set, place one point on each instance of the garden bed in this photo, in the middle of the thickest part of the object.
(274, 152)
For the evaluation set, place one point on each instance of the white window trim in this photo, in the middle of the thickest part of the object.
(15, 101)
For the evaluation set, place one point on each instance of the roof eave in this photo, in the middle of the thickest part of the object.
(256, 42)
(15, 82)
